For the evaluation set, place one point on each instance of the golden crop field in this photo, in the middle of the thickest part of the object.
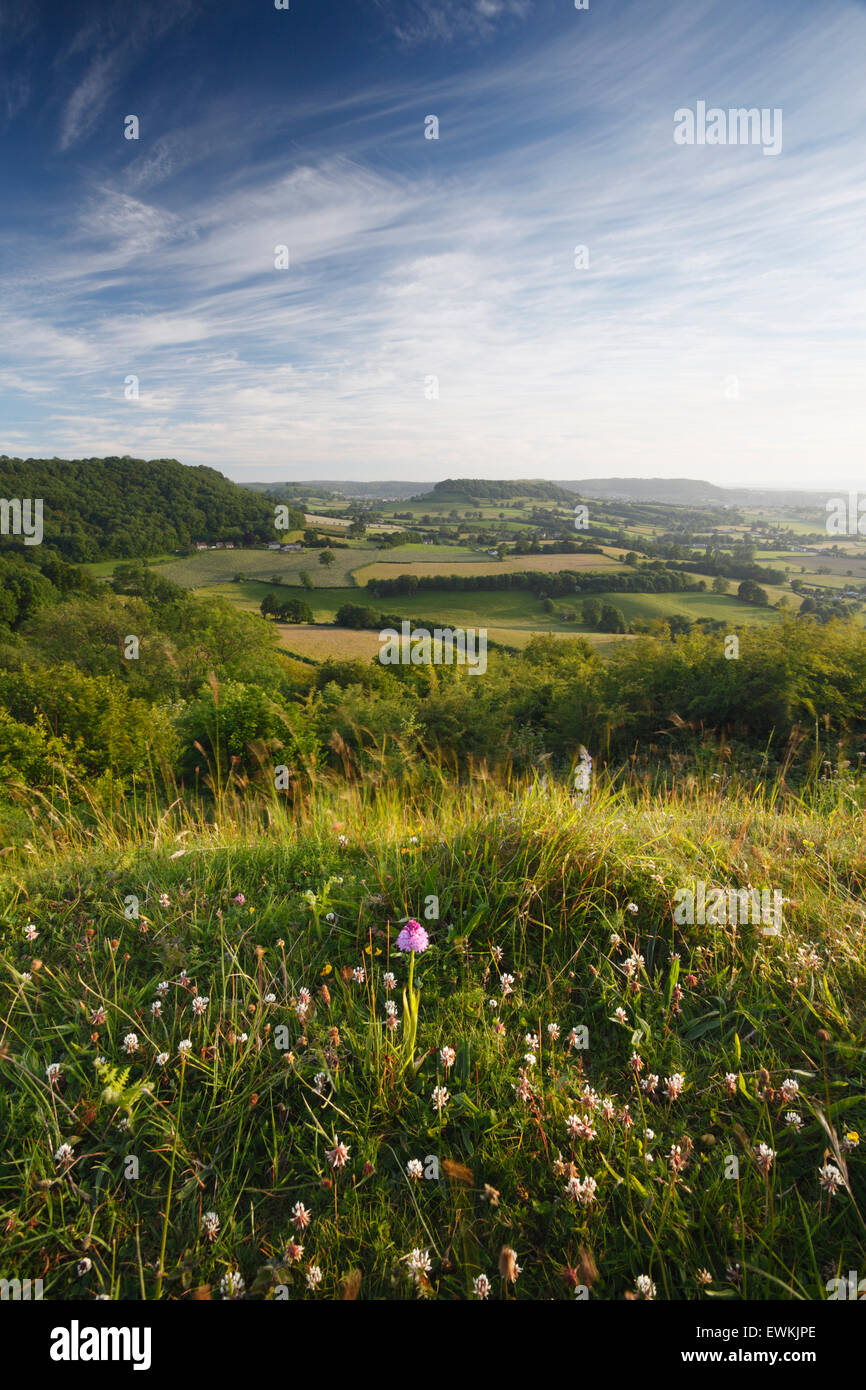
(321, 643)
(513, 565)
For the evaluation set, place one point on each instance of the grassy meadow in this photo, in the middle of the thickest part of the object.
(209, 1099)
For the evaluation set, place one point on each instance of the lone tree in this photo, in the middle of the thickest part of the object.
(327, 558)
(750, 592)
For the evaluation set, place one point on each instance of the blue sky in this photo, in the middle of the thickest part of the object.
(717, 330)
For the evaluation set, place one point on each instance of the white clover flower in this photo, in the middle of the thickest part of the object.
(64, 1155)
(320, 1081)
(764, 1156)
(481, 1286)
(674, 1085)
(130, 1043)
(31, 931)
(389, 980)
(162, 987)
(645, 1286)
(185, 1047)
(448, 1057)
(621, 1015)
(199, 1004)
(231, 1284)
(301, 1217)
(789, 1089)
(314, 1277)
(210, 1224)
(793, 1119)
(830, 1178)
(418, 1262)
(84, 1266)
(359, 974)
(553, 1031)
(161, 1059)
(338, 1155)
(53, 1071)
(415, 1169)
(505, 983)
(439, 1098)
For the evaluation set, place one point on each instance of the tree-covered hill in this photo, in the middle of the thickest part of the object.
(125, 507)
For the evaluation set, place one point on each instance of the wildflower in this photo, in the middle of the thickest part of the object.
(338, 1155)
(162, 987)
(301, 1218)
(83, 1267)
(851, 1140)
(764, 1156)
(615, 939)
(678, 1158)
(633, 964)
(239, 899)
(731, 1082)
(732, 1273)
(448, 1057)
(99, 1062)
(210, 1224)
(588, 1190)
(231, 1284)
(830, 1178)
(390, 1008)
(645, 1286)
(531, 1041)
(522, 1087)
(579, 1128)
(52, 1071)
(418, 1262)
(415, 1169)
(553, 1031)
(674, 1085)
(319, 1082)
(508, 1266)
(294, 1253)
(31, 931)
(342, 841)
(161, 1059)
(314, 1277)
(97, 1017)
(621, 1015)
(496, 952)
(389, 980)
(185, 1047)
(183, 979)
(608, 1109)
(304, 996)
(632, 908)
(704, 1278)
(481, 1286)
(530, 1059)
(413, 937)
(130, 1043)
(359, 974)
(505, 984)
(64, 1155)
(164, 900)
(439, 1098)
(793, 1119)
(574, 1037)
(268, 999)
(636, 1061)
(649, 1085)
(491, 1195)
(156, 1008)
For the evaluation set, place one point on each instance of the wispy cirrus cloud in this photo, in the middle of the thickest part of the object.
(453, 260)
